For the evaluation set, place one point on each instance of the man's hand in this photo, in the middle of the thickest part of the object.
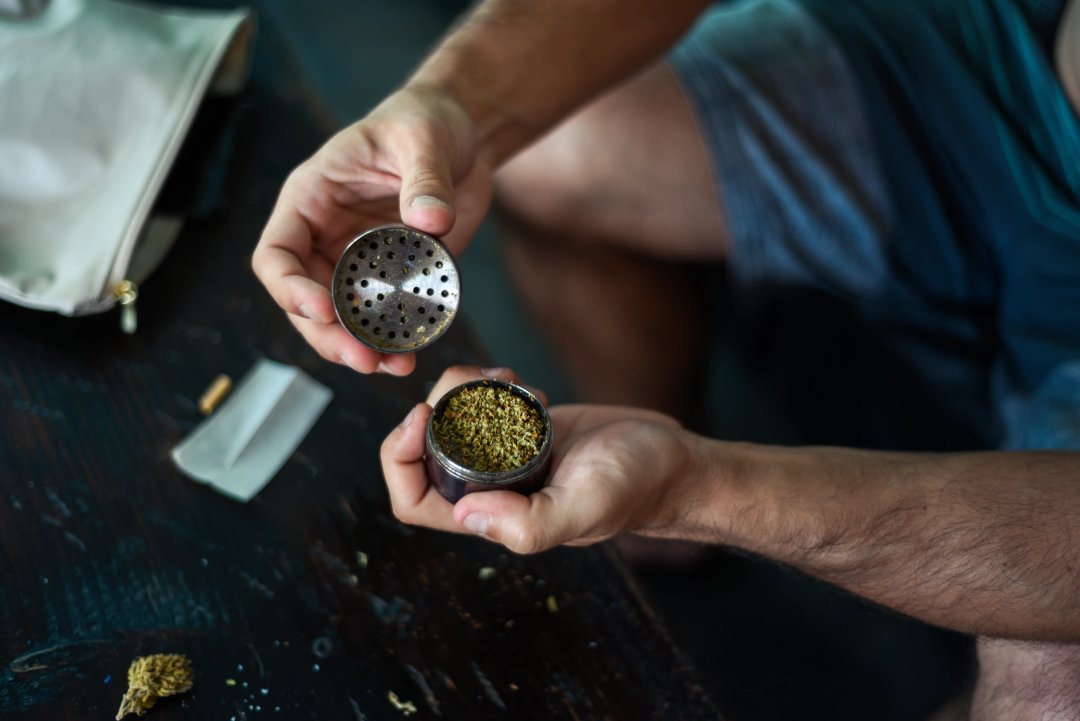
(424, 157)
(412, 160)
(614, 470)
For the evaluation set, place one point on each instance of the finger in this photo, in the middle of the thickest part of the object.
(413, 499)
(336, 345)
(456, 375)
(524, 524)
(276, 262)
(320, 269)
(427, 193)
(506, 374)
(397, 364)
(451, 378)
(472, 198)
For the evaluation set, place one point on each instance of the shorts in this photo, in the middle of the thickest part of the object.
(917, 160)
(800, 183)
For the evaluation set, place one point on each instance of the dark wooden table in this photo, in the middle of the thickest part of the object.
(310, 601)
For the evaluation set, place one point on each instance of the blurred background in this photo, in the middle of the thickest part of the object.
(770, 642)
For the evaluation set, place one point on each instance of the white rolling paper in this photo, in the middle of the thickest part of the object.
(251, 435)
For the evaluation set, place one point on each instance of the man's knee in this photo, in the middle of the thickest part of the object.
(1027, 681)
(545, 186)
(630, 170)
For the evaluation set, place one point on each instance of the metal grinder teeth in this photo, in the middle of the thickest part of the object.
(396, 289)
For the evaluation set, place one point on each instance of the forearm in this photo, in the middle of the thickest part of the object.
(519, 66)
(985, 543)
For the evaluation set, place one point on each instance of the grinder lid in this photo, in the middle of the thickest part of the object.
(396, 289)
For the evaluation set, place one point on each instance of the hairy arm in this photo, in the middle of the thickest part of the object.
(985, 543)
(518, 66)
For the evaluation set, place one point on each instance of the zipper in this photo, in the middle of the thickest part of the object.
(118, 286)
(126, 293)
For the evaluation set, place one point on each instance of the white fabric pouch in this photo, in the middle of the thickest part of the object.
(96, 97)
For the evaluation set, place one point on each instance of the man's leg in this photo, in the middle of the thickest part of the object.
(1027, 681)
(602, 221)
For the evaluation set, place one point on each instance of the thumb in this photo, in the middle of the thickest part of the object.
(427, 194)
(524, 524)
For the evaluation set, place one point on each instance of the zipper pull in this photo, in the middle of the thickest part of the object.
(126, 293)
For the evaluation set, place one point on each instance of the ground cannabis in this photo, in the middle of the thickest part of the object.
(489, 428)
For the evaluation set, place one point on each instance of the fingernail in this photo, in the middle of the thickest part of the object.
(409, 419)
(306, 312)
(383, 368)
(492, 372)
(427, 201)
(476, 523)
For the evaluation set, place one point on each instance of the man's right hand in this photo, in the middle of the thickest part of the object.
(614, 470)
(413, 160)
